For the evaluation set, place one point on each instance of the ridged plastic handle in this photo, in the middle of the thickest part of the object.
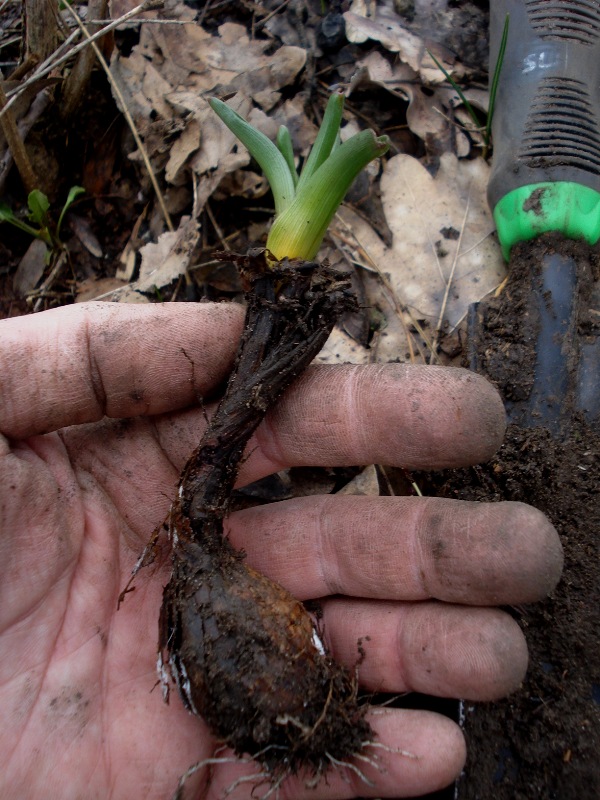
(546, 124)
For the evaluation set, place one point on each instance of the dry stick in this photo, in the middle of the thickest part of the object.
(45, 287)
(17, 147)
(25, 124)
(41, 27)
(438, 327)
(52, 62)
(78, 79)
(128, 117)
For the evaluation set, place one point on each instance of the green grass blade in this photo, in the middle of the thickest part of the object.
(496, 80)
(470, 110)
(74, 192)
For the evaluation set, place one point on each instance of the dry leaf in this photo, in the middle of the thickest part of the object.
(104, 289)
(31, 268)
(427, 110)
(169, 257)
(426, 216)
(442, 231)
(365, 483)
(390, 30)
(182, 148)
(342, 349)
(169, 75)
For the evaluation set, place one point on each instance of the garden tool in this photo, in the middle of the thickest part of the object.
(545, 189)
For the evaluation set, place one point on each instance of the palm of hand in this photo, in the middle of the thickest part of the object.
(78, 504)
(76, 686)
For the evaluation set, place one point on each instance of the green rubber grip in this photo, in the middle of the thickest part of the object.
(563, 206)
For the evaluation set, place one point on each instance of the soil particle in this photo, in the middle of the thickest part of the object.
(69, 707)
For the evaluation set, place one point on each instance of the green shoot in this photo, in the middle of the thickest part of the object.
(304, 207)
(326, 137)
(8, 215)
(299, 231)
(39, 214)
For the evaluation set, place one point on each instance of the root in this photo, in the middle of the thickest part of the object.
(344, 765)
(206, 762)
(258, 778)
(388, 749)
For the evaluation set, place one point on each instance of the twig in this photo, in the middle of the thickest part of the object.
(25, 124)
(17, 147)
(45, 287)
(438, 327)
(52, 63)
(217, 227)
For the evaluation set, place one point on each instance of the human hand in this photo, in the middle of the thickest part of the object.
(80, 493)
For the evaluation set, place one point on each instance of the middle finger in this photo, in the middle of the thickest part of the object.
(402, 548)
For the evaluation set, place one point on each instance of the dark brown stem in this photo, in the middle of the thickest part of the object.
(17, 146)
(76, 83)
(290, 314)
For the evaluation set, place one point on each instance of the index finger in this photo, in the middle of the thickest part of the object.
(79, 363)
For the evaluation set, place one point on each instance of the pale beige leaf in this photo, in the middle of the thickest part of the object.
(182, 148)
(426, 216)
(169, 257)
(31, 268)
(365, 483)
(388, 30)
(342, 349)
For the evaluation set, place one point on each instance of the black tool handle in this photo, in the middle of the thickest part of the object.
(546, 123)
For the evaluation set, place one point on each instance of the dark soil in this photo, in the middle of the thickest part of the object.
(543, 742)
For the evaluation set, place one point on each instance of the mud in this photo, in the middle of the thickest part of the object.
(543, 742)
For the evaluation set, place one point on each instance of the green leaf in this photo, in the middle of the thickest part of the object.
(74, 192)
(271, 161)
(285, 147)
(7, 214)
(39, 206)
(325, 141)
(299, 230)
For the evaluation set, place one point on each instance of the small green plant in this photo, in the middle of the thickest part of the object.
(486, 130)
(305, 203)
(41, 225)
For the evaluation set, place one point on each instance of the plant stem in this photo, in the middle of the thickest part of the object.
(17, 146)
